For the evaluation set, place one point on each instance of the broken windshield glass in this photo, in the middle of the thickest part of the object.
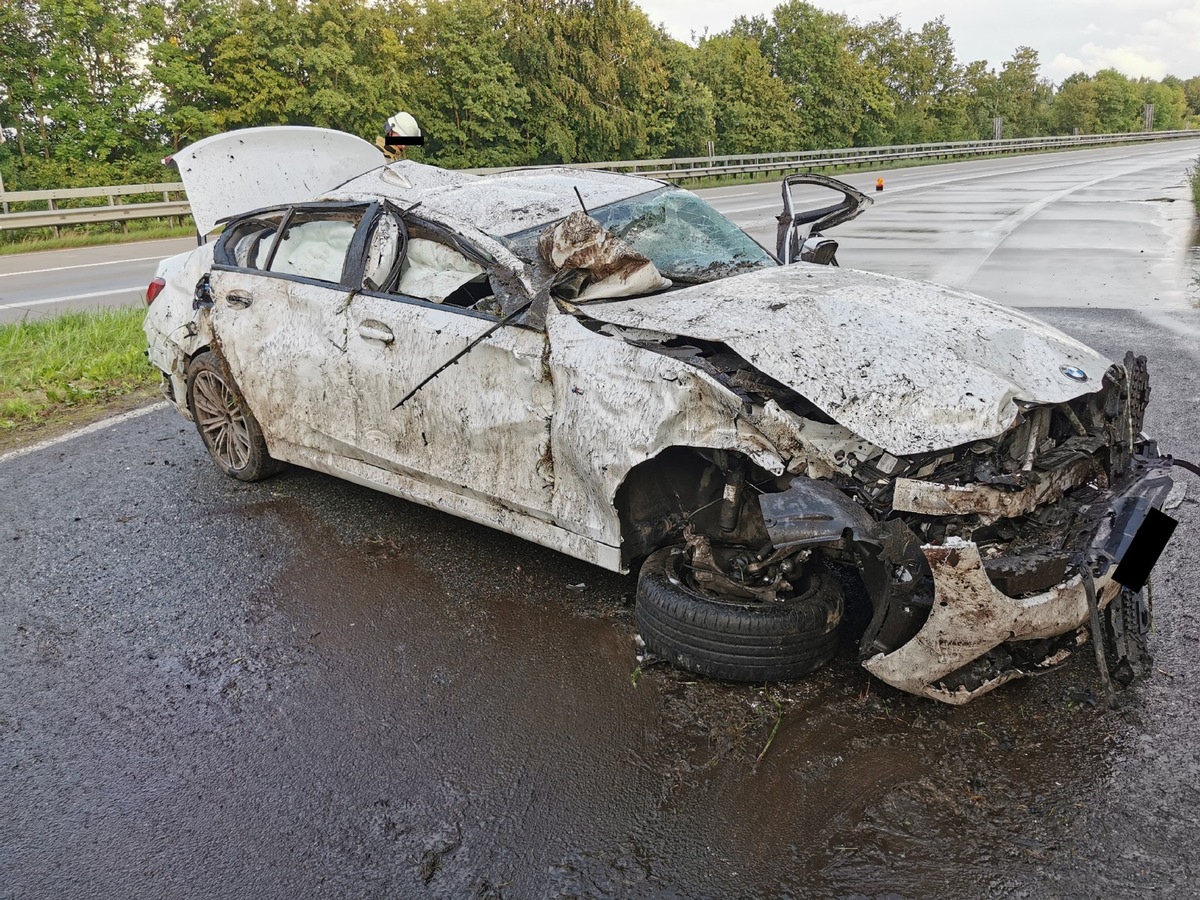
(687, 240)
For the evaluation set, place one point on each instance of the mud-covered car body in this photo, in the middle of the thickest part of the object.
(604, 365)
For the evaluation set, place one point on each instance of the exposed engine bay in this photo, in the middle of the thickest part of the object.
(1000, 528)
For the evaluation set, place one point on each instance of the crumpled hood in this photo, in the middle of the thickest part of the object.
(909, 366)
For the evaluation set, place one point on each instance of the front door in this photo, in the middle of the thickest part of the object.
(481, 427)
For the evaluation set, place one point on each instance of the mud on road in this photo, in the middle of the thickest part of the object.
(301, 688)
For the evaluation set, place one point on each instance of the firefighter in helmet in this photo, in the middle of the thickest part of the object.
(399, 133)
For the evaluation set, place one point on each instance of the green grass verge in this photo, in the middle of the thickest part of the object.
(75, 360)
(1194, 177)
(32, 243)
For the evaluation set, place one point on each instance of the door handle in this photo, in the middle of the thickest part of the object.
(237, 300)
(375, 331)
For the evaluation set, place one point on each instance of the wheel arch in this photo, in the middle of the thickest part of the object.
(681, 485)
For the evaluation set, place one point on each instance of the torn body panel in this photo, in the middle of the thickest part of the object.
(990, 503)
(971, 617)
(618, 405)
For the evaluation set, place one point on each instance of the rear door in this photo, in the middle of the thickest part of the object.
(279, 318)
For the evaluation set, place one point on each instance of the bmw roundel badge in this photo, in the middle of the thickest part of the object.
(1074, 373)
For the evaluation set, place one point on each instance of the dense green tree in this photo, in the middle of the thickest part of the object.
(1075, 106)
(1022, 97)
(1170, 103)
(95, 91)
(183, 37)
(982, 88)
(72, 89)
(1191, 89)
(809, 50)
(467, 96)
(753, 111)
(949, 104)
(1118, 102)
(687, 121)
(597, 75)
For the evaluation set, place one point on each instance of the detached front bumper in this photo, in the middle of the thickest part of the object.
(970, 616)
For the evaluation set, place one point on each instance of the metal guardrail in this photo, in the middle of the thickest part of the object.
(675, 169)
(707, 166)
(173, 203)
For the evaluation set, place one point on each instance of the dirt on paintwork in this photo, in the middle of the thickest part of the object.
(305, 688)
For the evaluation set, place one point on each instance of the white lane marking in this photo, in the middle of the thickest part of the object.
(107, 262)
(123, 290)
(1002, 230)
(86, 429)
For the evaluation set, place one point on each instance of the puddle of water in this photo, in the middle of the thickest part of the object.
(491, 713)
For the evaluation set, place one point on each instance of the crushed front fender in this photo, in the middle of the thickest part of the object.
(970, 616)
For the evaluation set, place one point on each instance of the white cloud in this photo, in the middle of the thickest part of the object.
(1135, 61)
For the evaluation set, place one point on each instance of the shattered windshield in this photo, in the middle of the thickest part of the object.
(687, 239)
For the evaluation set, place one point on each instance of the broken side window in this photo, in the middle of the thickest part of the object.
(314, 244)
(433, 269)
(247, 244)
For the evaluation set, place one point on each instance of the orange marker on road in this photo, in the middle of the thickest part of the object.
(879, 184)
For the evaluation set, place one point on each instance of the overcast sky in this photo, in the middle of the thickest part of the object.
(1147, 37)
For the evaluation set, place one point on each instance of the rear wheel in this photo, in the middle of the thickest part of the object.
(737, 639)
(228, 428)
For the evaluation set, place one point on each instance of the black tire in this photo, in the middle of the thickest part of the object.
(226, 425)
(736, 640)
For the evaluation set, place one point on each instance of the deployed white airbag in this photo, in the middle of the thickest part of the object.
(612, 268)
(433, 271)
(315, 250)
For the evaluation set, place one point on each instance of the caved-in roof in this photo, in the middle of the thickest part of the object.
(503, 203)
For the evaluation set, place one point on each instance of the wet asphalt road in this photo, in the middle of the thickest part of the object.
(302, 688)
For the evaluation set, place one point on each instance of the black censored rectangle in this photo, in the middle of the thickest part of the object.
(1145, 548)
(403, 140)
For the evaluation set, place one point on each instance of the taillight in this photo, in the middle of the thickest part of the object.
(154, 289)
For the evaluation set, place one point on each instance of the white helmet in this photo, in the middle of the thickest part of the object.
(403, 125)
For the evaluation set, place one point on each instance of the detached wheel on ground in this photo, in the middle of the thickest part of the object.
(736, 640)
(229, 429)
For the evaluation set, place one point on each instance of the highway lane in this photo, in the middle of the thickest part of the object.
(303, 688)
(35, 285)
(1061, 229)
(1094, 228)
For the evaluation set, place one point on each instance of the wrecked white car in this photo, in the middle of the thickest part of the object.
(607, 366)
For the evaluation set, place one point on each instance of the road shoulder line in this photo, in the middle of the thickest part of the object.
(80, 432)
